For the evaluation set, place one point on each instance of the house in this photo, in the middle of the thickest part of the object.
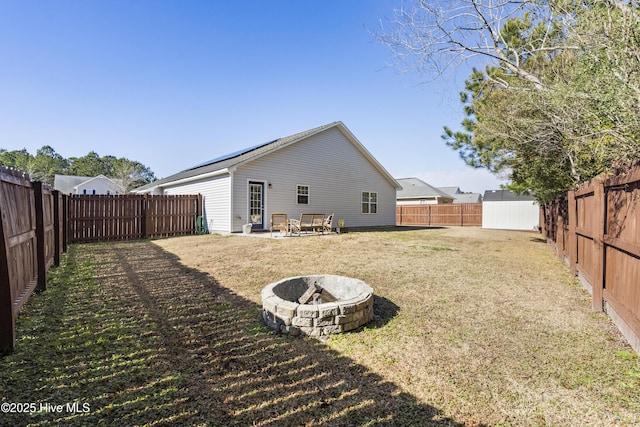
(503, 209)
(450, 190)
(321, 170)
(70, 184)
(460, 197)
(468, 198)
(415, 191)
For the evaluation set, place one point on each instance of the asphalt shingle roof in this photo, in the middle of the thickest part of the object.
(248, 154)
(234, 158)
(414, 188)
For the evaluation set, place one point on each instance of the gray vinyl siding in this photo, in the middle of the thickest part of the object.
(334, 169)
(216, 199)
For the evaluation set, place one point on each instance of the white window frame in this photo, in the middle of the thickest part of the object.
(368, 203)
(298, 194)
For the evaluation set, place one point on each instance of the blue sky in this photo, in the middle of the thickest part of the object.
(174, 83)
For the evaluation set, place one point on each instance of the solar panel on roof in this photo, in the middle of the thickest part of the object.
(231, 155)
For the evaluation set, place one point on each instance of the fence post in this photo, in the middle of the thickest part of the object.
(560, 249)
(65, 222)
(572, 239)
(461, 217)
(56, 227)
(7, 320)
(600, 249)
(146, 217)
(40, 249)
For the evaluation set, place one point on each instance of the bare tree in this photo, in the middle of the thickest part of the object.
(554, 95)
(434, 37)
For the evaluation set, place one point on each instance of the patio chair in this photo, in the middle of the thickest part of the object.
(311, 222)
(327, 224)
(317, 224)
(294, 227)
(279, 222)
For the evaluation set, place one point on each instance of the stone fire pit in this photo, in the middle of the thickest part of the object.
(317, 305)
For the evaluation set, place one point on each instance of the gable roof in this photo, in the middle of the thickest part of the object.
(67, 184)
(468, 198)
(505, 196)
(114, 181)
(414, 188)
(232, 160)
(452, 191)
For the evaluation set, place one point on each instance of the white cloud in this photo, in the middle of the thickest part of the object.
(468, 179)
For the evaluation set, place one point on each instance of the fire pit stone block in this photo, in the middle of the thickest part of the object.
(351, 305)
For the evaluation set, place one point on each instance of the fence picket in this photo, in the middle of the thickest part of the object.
(29, 246)
(37, 223)
(602, 244)
(463, 214)
(131, 216)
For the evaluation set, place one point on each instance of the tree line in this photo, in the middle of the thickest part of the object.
(553, 97)
(46, 163)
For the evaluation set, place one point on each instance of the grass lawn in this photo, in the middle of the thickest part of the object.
(472, 327)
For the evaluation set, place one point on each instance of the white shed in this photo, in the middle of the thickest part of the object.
(322, 170)
(503, 209)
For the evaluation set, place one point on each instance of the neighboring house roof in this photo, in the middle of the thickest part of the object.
(505, 196)
(231, 161)
(460, 197)
(453, 191)
(67, 184)
(414, 188)
(468, 198)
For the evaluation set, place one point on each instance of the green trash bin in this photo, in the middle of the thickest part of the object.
(201, 228)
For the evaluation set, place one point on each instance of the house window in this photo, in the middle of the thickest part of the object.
(369, 202)
(303, 194)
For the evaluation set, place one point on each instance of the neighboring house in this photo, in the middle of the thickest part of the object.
(468, 198)
(322, 170)
(450, 190)
(70, 184)
(415, 191)
(460, 197)
(503, 209)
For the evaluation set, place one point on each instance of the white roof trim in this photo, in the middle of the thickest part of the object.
(190, 179)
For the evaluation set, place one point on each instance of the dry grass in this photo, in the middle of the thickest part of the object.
(472, 327)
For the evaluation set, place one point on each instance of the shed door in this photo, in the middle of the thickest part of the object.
(256, 205)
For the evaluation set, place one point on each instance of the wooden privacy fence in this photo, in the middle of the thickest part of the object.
(447, 214)
(37, 222)
(31, 232)
(131, 216)
(596, 228)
